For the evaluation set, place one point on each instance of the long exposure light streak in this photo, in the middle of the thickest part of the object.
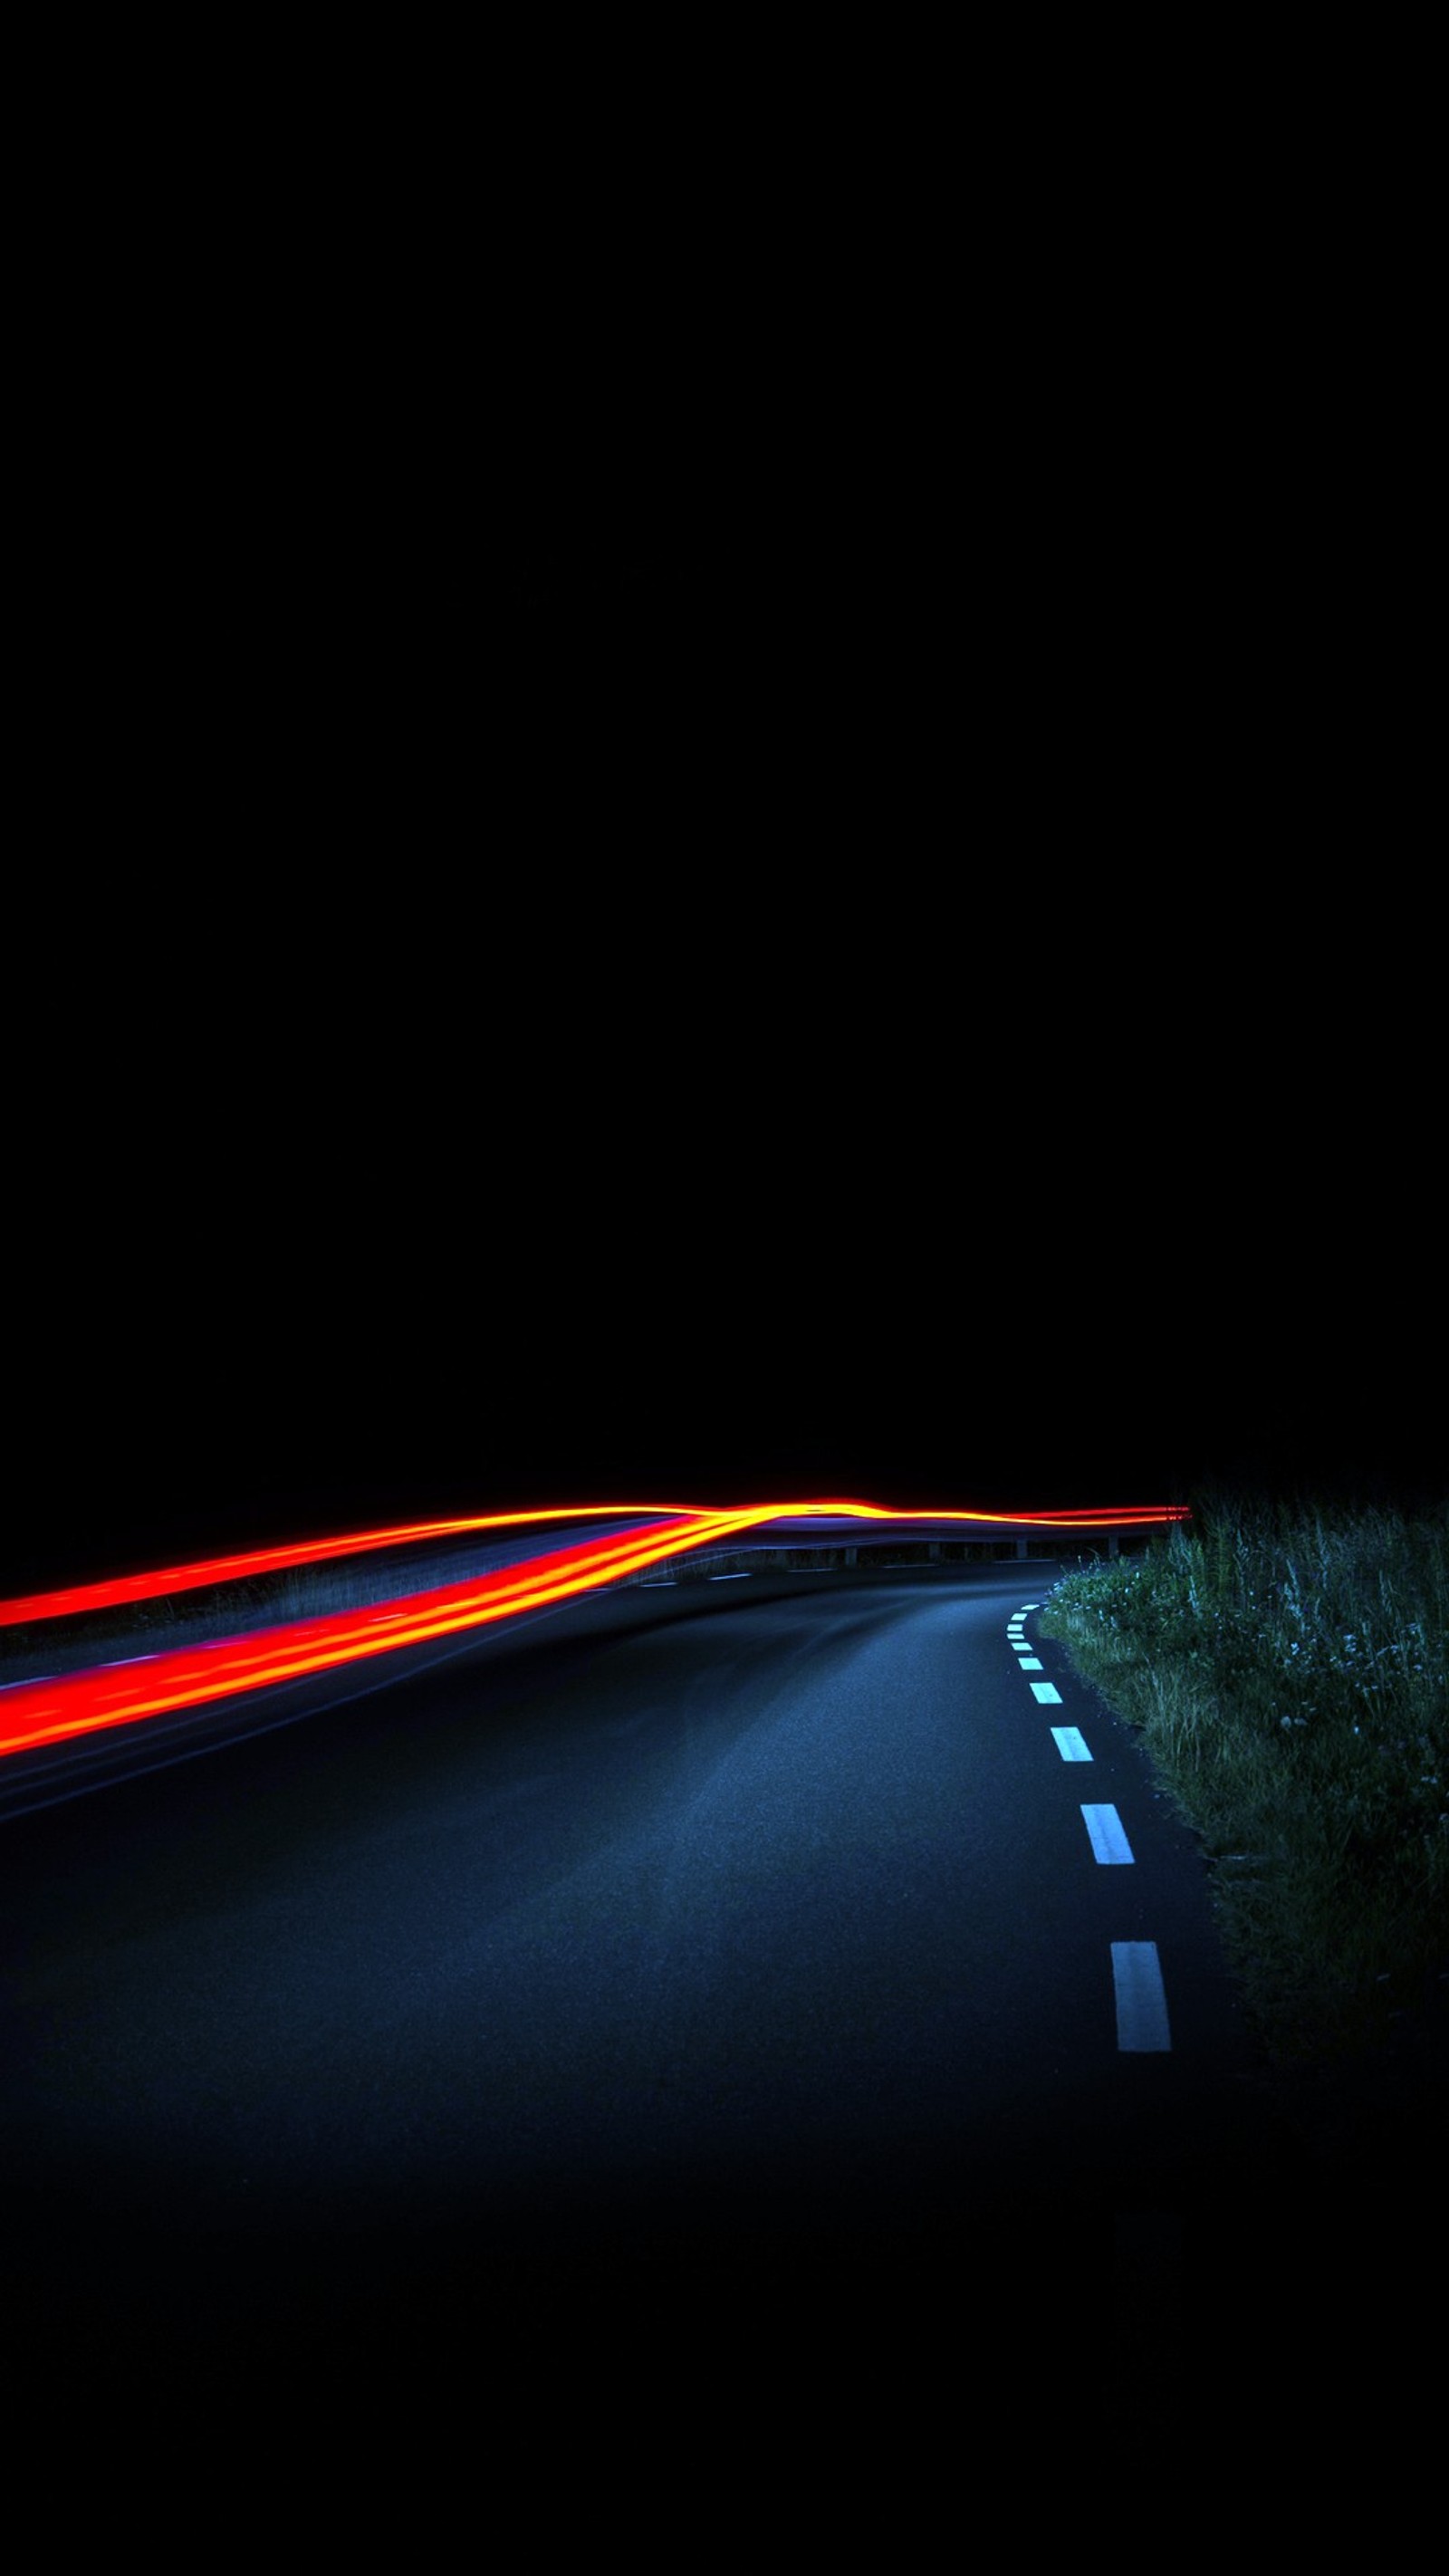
(152, 1586)
(34, 1714)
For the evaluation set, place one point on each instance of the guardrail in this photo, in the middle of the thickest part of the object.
(877, 1554)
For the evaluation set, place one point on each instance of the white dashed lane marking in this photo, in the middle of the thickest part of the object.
(1142, 2025)
(1109, 1842)
(1070, 1745)
(1141, 1999)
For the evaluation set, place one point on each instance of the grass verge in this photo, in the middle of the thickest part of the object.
(1285, 1668)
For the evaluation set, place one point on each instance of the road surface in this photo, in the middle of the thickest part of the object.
(802, 1966)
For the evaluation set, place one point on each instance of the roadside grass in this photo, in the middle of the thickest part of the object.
(1285, 1668)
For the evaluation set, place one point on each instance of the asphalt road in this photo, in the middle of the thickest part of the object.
(806, 1969)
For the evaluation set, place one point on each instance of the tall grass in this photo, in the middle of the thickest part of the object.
(1286, 1669)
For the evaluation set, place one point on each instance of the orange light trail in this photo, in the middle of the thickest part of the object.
(34, 1714)
(276, 1560)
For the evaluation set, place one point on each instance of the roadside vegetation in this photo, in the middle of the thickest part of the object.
(1285, 1668)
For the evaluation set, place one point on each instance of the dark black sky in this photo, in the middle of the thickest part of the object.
(695, 973)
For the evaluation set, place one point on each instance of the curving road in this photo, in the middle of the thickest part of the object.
(807, 1962)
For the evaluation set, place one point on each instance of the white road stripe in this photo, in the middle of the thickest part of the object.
(1070, 1745)
(1029, 1664)
(1109, 1842)
(1047, 1693)
(1141, 1999)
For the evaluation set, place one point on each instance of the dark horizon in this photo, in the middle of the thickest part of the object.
(720, 1064)
(893, 1317)
(156, 1488)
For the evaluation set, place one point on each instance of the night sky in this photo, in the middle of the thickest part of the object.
(700, 986)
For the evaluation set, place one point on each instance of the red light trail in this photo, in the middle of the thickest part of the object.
(38, 1713)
